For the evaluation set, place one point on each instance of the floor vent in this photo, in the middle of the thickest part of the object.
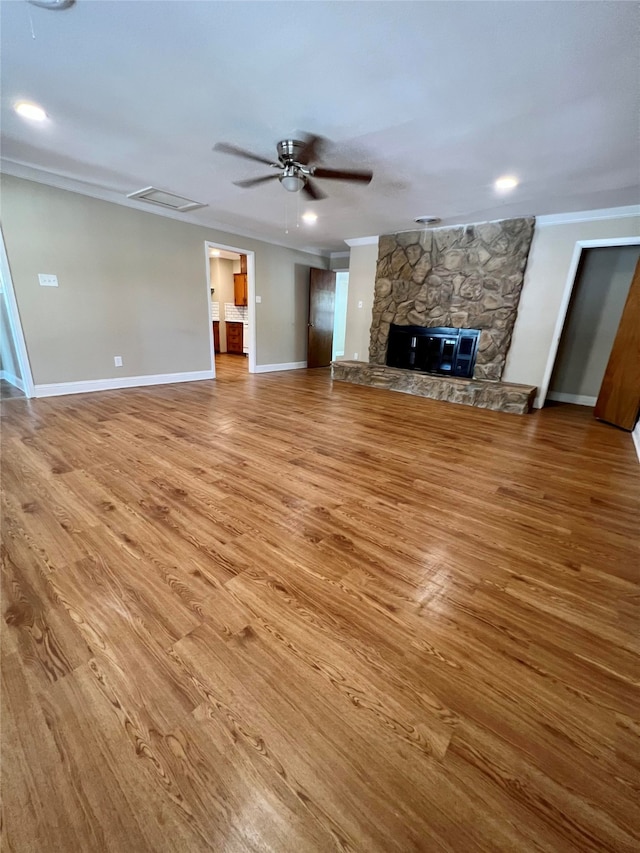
(165, 199)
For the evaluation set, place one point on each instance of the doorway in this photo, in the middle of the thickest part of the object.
(231, 297)
(15, 370)
(340, 315)
(600, 289)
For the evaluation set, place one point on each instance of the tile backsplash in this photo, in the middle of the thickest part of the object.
(235, 313)
(215, 310)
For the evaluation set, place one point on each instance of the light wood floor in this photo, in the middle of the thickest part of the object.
(267, 613)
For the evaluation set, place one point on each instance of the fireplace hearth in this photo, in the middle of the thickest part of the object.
(442, 350)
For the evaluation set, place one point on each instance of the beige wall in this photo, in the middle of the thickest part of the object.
(544, 284)
(599, 295)
(132, 284)
(362, 275)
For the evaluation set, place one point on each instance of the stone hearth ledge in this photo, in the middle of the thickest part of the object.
(482, 393)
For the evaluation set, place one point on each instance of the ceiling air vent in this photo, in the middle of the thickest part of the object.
(164, 199)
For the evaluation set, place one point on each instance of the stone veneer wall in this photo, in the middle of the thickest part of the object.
(468, 276)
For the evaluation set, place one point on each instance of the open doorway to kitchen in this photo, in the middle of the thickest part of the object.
(230, 275)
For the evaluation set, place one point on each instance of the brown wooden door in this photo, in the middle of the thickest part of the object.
(322, 296)
(619, 399)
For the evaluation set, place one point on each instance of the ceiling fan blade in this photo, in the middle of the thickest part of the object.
(251, 182)
(313, 191)
(225, 148)
(363, 177)
(312, 147)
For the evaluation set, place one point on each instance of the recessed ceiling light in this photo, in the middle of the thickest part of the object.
(215, 253)
(31, 111)
(507, 182)
(427, 220)
(310, 218)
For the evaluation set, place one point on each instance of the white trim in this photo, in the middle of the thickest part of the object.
(287, 365)
(212, 349)
(57, 389)
(13, 314)
(635, 435)
(251, 297)
(363, 241)
(564, 305)
(578, 399)
(72, 185)
(12, 379)
(588, 215)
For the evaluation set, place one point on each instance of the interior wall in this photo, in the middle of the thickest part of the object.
(362, 275)
(222, 270)
(133, 284)
(599, 294)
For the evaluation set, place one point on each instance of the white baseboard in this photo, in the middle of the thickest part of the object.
(578, 399)
(57, 389)
(12, 379)
(287, 365)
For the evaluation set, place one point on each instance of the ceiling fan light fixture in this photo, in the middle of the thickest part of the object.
(291, 183)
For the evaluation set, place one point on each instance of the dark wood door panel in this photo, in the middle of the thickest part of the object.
(322, 294)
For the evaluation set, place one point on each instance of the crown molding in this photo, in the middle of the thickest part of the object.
(40, 176)
(588, 215)
(362, 241)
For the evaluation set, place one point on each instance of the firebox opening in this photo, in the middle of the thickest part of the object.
(433, 349)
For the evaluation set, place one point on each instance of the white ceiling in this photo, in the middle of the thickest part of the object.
(439, 99)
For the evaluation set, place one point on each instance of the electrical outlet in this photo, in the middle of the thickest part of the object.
(47, 280)
(355, 356)
(360, 304)
(117, 360)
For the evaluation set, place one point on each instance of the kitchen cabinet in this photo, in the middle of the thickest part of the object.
(234, 338)
(240, 288)
(216, 336)
(243, 263)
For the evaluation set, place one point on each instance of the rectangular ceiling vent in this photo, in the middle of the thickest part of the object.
(164, 199)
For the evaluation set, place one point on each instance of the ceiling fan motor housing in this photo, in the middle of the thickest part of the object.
(289, 150)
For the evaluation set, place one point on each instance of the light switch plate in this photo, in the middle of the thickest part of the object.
(258, 298)
(360, 304)
(47, 280)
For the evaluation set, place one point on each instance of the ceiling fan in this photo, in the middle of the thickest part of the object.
(296, 167)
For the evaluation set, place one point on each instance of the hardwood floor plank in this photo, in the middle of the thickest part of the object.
(267, 613)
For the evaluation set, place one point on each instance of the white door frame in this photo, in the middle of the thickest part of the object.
(9, 297)
(251, 299)
(566, 298)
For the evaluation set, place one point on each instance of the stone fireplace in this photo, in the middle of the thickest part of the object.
(468, 277)
(454, 281)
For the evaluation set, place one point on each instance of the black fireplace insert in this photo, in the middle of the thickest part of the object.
(435, 349)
